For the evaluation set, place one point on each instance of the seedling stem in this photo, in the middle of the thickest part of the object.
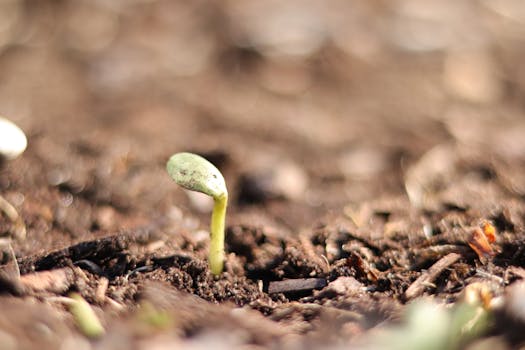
(218, 216)
(195, 173)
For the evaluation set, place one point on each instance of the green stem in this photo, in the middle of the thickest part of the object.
(85, 317)
(218, 216)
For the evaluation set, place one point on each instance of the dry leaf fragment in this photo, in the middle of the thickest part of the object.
(481, 239)
(490, 231)
(480, 243)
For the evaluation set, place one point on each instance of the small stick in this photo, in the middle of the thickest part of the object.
(54, 281)
(296, 285)
(418, 286)
(102, 288)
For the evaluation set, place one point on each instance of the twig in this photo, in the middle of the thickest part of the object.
(296, 285)
(418, 286)
(55, 281)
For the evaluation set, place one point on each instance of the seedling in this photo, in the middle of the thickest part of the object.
(85, 317)
(195, 173)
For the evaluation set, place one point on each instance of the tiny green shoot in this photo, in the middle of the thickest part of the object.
(153, 318)
(86, 319)
(195, 173)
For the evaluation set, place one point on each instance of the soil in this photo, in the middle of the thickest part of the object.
(319, 151)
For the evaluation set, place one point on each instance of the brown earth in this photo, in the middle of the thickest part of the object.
(320, 135)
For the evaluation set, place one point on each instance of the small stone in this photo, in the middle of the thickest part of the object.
(472, 76)
(13, 141)
(363, 163)
(280, 29)
(430, 174)
(344, 285)
(105, 218)
(515, 302)
(282, 179)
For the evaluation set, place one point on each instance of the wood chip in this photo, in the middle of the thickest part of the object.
(296, 285)
(418, 286)
(102, 288)
(344, 285)
(54, 281)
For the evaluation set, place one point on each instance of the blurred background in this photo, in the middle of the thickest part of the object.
(318, 103)
(325, 117)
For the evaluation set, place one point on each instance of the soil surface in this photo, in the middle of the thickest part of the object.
(374, 153)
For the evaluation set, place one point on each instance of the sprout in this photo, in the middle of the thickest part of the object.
(85, 317)
(13, 142)
(197, 174)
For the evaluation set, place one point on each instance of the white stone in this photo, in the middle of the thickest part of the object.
(13, 141)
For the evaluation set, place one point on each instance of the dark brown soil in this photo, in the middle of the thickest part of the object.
(318, 150)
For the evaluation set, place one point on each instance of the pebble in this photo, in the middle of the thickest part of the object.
(13, 141)
(363, 162)
(106, 218)
(426, 177)
(472, 76)
(282, 179)
(280, 29)
(345, 285)
(429, 25)
(515, 302)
